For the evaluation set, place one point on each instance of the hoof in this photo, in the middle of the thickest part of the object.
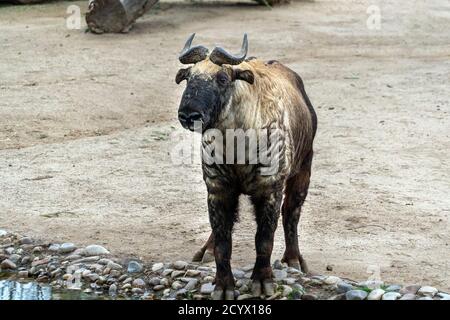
(203, 256)
(220, 294)
(299, 264)
(261, 288)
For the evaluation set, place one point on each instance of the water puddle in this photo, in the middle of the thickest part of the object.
(14, 290)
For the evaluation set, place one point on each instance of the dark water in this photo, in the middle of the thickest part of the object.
(14, 290)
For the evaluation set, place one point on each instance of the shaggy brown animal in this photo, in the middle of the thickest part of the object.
(225, 91)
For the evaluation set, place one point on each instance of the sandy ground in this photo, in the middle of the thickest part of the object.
(87, 123)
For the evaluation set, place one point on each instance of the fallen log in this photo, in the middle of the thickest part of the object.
(115, 15)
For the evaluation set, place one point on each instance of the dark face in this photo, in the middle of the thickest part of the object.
(206, 95)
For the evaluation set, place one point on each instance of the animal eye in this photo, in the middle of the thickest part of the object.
(222, 78)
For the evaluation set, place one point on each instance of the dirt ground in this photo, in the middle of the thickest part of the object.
(86, 125)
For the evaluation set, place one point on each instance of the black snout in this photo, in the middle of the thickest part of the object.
(187, 119)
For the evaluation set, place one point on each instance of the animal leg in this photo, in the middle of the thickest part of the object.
(295, 194)
(206, 253)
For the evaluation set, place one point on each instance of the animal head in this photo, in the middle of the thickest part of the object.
(210, 82)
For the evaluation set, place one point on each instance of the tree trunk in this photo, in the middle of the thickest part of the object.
(115, 15)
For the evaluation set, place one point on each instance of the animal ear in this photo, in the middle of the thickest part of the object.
(182, 74)
(245, 75)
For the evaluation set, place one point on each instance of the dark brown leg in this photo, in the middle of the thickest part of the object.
(206, 253)
(295, 194)
(222, 206)
(267, 211)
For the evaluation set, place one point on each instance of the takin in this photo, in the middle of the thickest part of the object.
(228, 91)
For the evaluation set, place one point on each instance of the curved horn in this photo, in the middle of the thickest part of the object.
(192, 55)
(219, 56)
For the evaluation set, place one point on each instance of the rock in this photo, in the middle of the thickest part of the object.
(371, 284)
(331, 280)
(8, 265)
(391, 295)
(289, 281)
(410, 289)
(393, 288)
(14, 257)
(425, 298)
(192, 273)
(247, 268)
(158, 287)
(176, 274)
(25, 240)
(408, 296)
(9, 250)
(95, 250)
(166, 272)
(238, 274)
(114, 266)
(23, 274)
(54, 247)
(127, 280)
(134, 267)
(3, 233)
(154, 281)
(279, 274)
(93, 277)
(137, 291)
(41, 262)
(444, 296)
(68, 247)
(427, 291)
(340, 296)
(164, 282)
(309, 296)
(37, 249)
(376, 294)
(208, 279)
(207, 288)
(180, 265)
(299, 287)
(296, 295)
(277, 264)
(343, 287)
(191, 285)
(356, 295)
(112, 289)
(329, 267)
(286, 290)
(25, 260)
(177, 285)
(243, 289)
(244, 297)
(181, 292)
(139, 283)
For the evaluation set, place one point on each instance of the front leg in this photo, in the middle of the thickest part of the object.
(222, 206)
(267, 211)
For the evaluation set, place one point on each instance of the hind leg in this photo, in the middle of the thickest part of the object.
(295, 194)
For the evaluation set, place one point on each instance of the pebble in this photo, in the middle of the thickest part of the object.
(9, 250)
(177, 285)
(247, 268)
(54, 247)
(444, 296)
(166, 272)
(391, 295)
(207, 288)
(208, 279)
(427, 291)
(356, 295)
(95, 250)
(191, 285)
(408, 296)
(192, 273)
(67, 247)
(238, 274)
(25, 260)
(371, 284)
(134, 267)
(410, 289)
(158, 287)
(23, 274)
(113, 266)
(343, 287)
(8, 265)
(279, 274)
(376, 294)
(289, 281)
(3, 233)
(176, 274)
(154, 281)
(25, 240)
(137, 291)
(180, 265)
(331, 280)
(245, 297)
(287, 290)
(112, 289)
(139, 283)
(394, 287)
(164, 282)
(277, 265)
(425, 298)
(14, 257)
